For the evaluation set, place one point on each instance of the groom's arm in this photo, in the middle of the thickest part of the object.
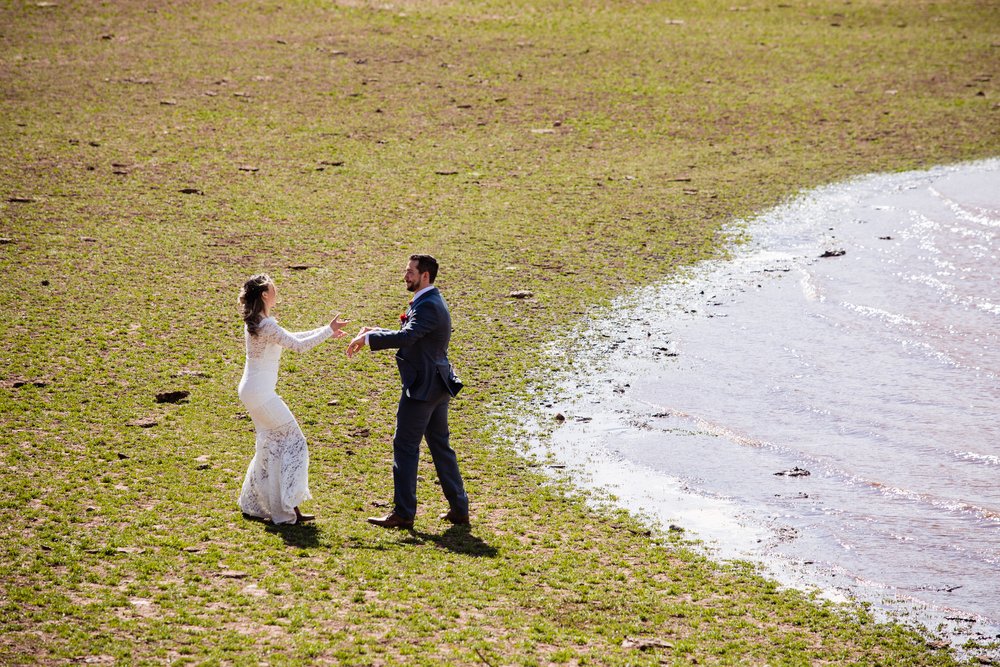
(423, 320)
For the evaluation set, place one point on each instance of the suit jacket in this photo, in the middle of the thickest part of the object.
(422, 343)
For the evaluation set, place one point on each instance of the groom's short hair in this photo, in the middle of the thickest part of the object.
(426, 263)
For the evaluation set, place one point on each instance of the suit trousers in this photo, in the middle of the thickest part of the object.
(416, 420)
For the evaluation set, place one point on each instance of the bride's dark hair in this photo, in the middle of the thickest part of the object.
(252, 300)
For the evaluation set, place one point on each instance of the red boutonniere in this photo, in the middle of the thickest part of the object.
(403, 317)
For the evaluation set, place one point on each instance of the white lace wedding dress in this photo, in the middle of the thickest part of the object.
(277, 480)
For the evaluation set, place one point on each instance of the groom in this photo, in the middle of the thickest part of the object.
(428, 385)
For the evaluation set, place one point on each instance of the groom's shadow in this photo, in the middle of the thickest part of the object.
(458, 539)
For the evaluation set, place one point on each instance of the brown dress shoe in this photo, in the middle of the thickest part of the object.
(455, 518)
(391, 520)
(300, 517)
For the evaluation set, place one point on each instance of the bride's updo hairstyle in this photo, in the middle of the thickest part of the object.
(252, 300)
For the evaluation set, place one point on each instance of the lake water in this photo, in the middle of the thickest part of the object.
(852, 344)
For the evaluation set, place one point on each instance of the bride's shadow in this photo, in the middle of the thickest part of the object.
(300, 535)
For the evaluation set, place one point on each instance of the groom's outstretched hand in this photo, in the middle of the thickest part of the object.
(358, 342)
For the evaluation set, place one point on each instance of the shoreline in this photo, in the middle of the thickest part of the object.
(599, 414)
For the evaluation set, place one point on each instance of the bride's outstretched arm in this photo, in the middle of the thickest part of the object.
(336, 325)
(298, 341)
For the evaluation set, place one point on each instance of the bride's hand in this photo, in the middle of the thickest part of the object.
(338, 325)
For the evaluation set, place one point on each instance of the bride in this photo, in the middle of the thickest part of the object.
(277, 481)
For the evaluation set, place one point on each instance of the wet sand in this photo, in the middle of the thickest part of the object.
(822, 403)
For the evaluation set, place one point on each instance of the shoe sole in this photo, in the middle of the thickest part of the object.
(406, 526)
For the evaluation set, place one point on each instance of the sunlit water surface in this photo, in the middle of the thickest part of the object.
(875, 368)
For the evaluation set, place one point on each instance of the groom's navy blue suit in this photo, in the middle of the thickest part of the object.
(428, 385)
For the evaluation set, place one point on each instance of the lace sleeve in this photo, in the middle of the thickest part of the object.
(304, 335)
(298, 341)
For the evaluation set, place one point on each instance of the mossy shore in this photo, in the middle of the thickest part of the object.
(156, 154)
